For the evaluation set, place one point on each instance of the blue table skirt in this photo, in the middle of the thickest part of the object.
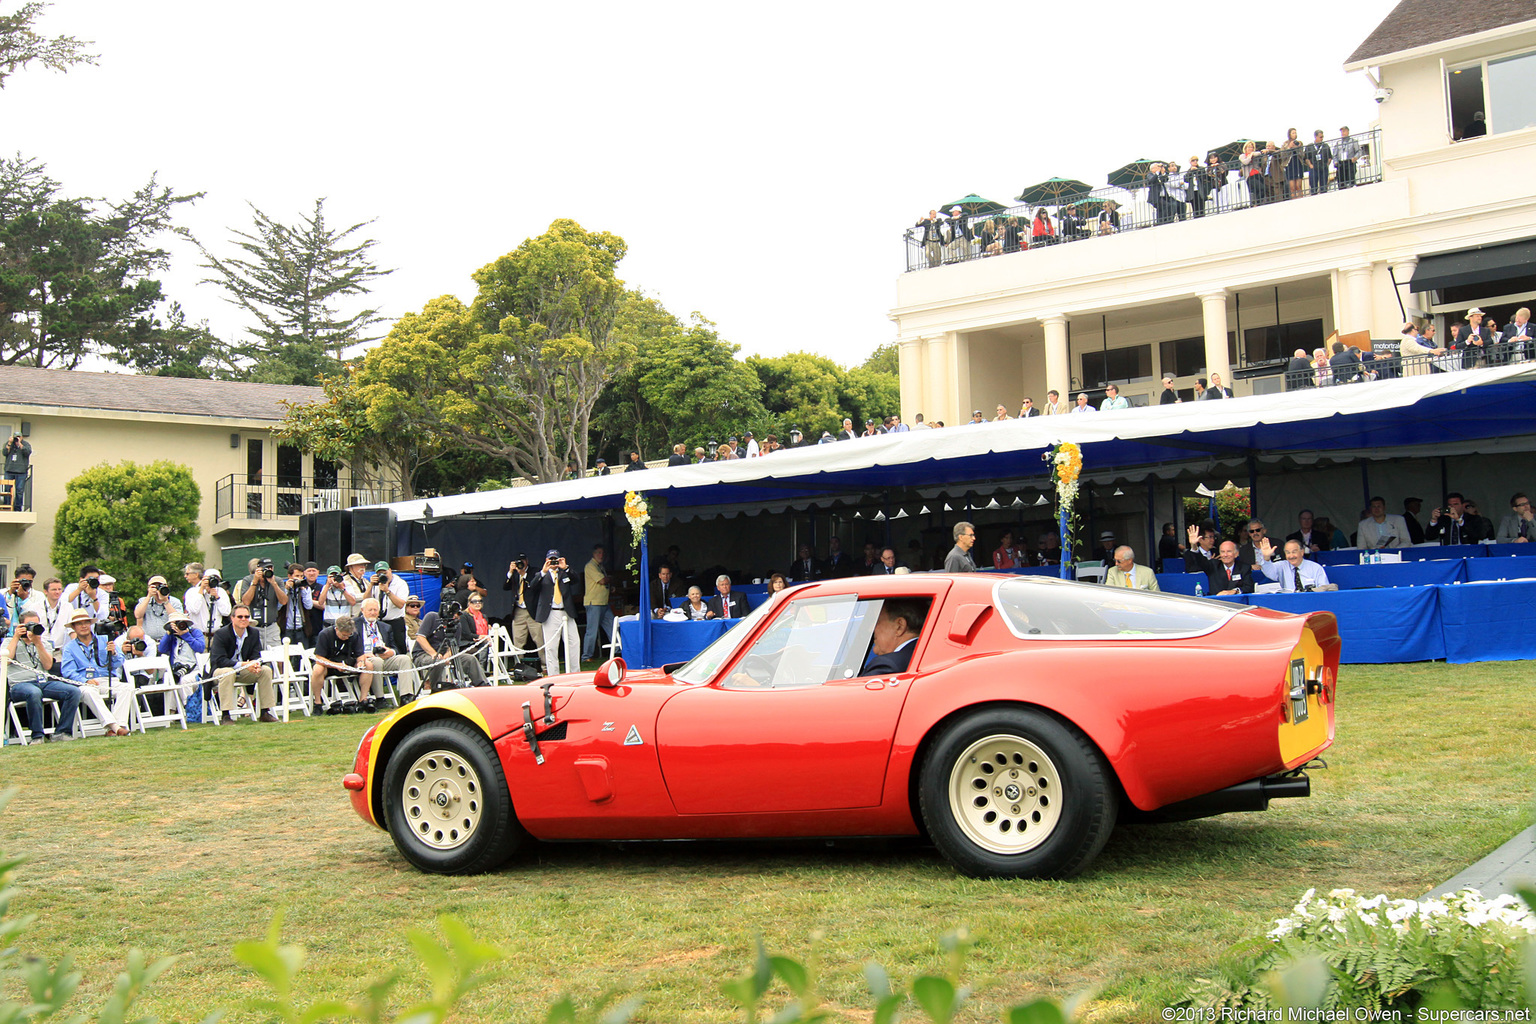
(1397, 574)
(1488, 570)
(670, 641)
(1506, 550)
(1489, 621)
(1351, 556)
(1183, 582)
(1377, 626)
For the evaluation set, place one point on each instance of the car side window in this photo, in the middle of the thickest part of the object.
(811, 641)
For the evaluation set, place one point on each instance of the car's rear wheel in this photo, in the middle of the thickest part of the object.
(446, 801)
(1014, 792)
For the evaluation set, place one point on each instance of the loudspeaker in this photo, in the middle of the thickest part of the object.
(373, 533)
(331, 538)
(304, 542)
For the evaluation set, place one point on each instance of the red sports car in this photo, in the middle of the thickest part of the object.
(1013, 721)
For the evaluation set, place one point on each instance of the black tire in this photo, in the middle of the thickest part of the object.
(1013, 792)
(446, 802)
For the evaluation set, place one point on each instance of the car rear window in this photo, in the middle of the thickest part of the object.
(1053, 608)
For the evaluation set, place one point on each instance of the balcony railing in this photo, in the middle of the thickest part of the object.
(1089, 216)
(241, 496)
(16, 496)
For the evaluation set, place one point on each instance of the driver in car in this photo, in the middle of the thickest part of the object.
(896, 633)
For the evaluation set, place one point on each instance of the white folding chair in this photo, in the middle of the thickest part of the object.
(278, 660)
(501, 656)
(14, 727)
(162, 681)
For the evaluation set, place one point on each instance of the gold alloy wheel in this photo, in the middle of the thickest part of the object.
(441, 799)
(1005, 794)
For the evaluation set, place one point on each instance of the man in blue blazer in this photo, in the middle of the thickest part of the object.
(895, 636)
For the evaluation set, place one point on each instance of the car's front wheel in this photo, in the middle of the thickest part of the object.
(1014, 792)
(446, 801)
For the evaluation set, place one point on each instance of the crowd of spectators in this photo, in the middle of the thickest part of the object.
(1174, 190)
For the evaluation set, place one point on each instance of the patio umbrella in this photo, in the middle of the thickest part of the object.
(1053, 191)
(1131, 175)
(973, 204)
(1232, 150)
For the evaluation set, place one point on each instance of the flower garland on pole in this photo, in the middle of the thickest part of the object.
(638, 511)
(1066, 462)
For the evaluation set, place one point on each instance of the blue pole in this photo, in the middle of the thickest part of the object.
(644, 661)
(1066, 546)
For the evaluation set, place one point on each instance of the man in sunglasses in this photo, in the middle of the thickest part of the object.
(1250, 552)
(235, 657)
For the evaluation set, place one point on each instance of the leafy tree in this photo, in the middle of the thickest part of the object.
(132, 520)
(514, 376)
(685, 384)
(349, 427)
(864, 393)
(177, 349)
(803, 389)
(21, 45)
(292, 281)
(884, 359)
(76, 278)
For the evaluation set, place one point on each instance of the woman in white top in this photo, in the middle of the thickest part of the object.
(696, 608)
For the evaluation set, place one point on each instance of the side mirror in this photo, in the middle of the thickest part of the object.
(610, 674)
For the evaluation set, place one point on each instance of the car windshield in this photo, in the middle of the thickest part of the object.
(1052, 608)
(708, 661)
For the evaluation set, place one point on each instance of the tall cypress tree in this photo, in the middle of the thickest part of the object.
(292, 280)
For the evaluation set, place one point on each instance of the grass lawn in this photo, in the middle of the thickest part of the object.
(186, 843)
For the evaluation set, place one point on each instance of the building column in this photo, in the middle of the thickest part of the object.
(1213, 310)
(1058, 371)
(959, 396)
(1402, 270)
(1357, 299)
(936, 380)
(909, 373)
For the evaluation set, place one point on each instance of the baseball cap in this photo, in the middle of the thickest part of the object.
(1107, 535)
(552, 553)
(380, 565)
(333, 570)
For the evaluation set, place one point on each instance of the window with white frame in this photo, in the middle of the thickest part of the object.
(1491, 96)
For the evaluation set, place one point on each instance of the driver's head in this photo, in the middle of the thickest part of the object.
(899, 622)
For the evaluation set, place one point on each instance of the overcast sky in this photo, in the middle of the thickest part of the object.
(761, 163)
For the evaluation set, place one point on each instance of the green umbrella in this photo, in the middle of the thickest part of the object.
(1053, 191)
(1131, 175)
(974, 204)
(1226, 154)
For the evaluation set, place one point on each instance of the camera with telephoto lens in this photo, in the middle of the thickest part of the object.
(93, 581)
(379, 577)
(35, 628)
(24, 584)
(162, 590)
(136, 646)
(448, 615)
(117, 622)
(334, 577)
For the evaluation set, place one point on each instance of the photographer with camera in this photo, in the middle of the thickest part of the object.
(558, 599)
(358, 584)
(296, 612)
(206, 601)
(87, 593)
(527, 634)
(333, 597)
(132, 642)
(181, 644)
(382, 657)
(1454, 524)
(267, 601)
(30, 661)
(18, 458)
(433, 647)
(95, 667)
(155, 609)
(20, 593)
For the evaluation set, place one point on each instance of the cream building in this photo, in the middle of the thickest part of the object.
(1437, 224)
(222, 431)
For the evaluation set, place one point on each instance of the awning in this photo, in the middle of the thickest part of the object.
(1463, 411)
(1469, 266)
